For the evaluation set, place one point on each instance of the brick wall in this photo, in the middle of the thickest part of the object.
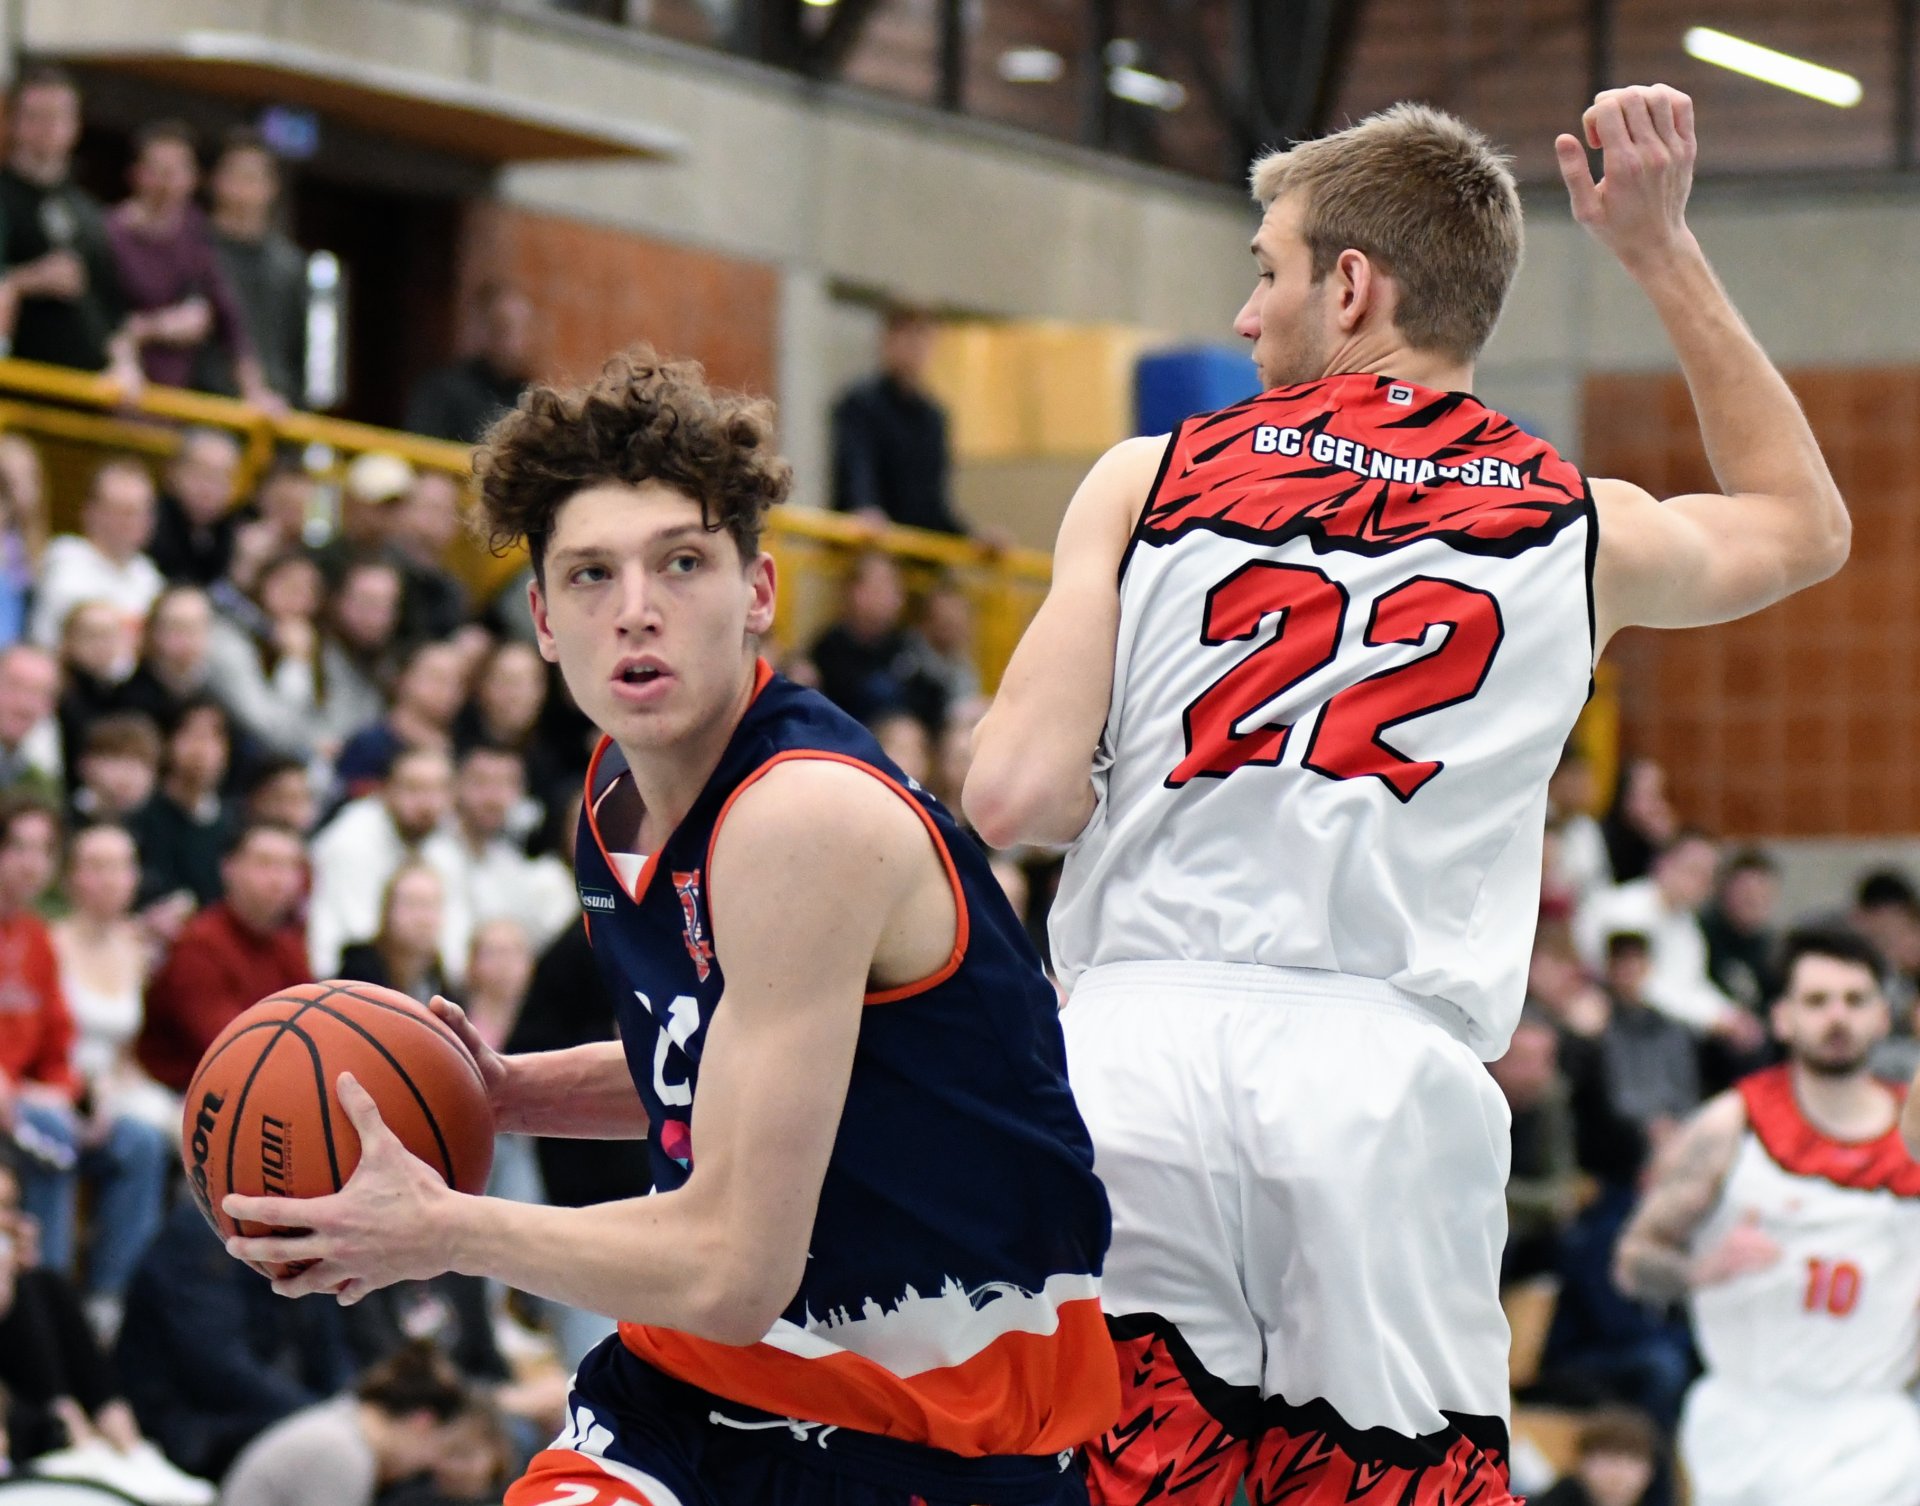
(600, 289)
(1801, 721)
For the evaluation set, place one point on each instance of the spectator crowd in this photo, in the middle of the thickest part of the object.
(163, 288)
(252, 731)
(1654, 967)
(233, 759)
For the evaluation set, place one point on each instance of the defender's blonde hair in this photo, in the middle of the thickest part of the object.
(1428, 199)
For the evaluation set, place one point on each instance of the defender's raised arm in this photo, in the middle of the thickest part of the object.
(1780, 524)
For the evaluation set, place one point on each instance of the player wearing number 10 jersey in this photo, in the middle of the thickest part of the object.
(1293, 700)
(1787, 1213)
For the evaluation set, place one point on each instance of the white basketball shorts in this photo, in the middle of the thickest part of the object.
(1751, 1447)
(1308, 1175)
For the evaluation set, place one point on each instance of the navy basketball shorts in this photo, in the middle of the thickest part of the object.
(637, 1437)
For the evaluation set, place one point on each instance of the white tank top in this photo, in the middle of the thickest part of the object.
(104, 1024)
(1355, 630)
(1840, 1311)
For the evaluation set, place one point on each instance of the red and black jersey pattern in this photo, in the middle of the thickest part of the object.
(1308, 1457)
(1364, 464)
(1183, 1436)
(1797, 1147)
(1189, 1439)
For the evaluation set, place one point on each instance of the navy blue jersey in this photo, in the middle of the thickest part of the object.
(951, 1287)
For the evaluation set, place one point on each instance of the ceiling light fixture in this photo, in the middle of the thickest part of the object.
(1032, 65)
(1142, 88)
(1781, 69)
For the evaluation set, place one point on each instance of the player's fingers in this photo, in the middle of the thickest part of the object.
(282, 1212)
(1635, 110)
(1590, 127)
(449, 1011)
(1682, 113)
(361, 1109)
(1610, 129)
(318, 1277)
(1578, 176)
(1660, 107)
(275, 1249)
(455, 1018)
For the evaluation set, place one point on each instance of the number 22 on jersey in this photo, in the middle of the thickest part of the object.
(1348, 741)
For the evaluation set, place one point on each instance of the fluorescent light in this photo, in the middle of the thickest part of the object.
(821, 4)
(1032, 65)
(1141, 88)
(1781, 69)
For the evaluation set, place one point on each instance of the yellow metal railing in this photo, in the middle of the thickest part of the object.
(77, 415)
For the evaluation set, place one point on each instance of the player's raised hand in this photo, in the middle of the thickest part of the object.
(1747, 1248)
(376, 1230)
(1638, 209)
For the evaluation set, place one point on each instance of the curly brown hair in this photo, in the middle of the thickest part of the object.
(642, 419)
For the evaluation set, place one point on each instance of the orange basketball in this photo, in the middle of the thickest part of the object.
(262, 1115)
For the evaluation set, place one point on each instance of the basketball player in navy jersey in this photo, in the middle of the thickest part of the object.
(1294, 698)
(869, 1269)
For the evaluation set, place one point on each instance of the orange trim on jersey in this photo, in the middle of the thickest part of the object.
(961, 926)
(762, 674)
(1798, 1148)
(1025, 1393)
(553, 1473)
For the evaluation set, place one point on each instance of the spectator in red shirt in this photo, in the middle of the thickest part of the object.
(170, 273)
(123, 1159)
(232, 954)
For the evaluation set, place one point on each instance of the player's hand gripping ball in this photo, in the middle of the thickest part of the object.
(263, 1115)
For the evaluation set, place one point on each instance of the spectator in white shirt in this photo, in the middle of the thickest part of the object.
(487, 873)
(1665, 908)
(360, 850)
(104, 562)
(264, 657)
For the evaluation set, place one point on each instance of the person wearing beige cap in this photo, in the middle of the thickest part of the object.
(373, 482)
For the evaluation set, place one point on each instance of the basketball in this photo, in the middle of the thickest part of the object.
(262, 1115)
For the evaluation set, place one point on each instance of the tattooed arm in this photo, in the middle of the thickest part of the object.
(1654, 1260)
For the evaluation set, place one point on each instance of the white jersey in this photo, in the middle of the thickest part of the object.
(1840, 1311)
(1356, 627)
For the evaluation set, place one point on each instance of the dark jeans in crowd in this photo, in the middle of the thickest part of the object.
(211, 1357)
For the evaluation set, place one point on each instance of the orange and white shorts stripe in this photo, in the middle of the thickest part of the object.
(566, 1477)
(575, 1471)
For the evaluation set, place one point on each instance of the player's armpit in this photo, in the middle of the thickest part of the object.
(1032, 774)
(1702, 558)
(1654, 1259)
